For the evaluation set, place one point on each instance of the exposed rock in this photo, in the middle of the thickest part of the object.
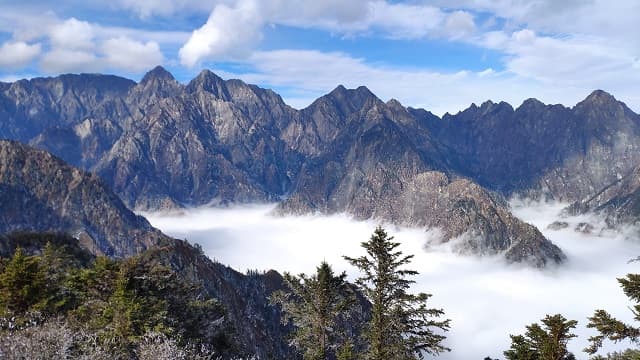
(39, 192)
(619, 202)
(558, 225)
(584, 228)
(543, 151)
(162, 144)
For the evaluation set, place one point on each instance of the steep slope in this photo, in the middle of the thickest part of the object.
(619, 201)
(539, 150)
(384, 166)
(29, 107)
(39, 192)
(162, 144)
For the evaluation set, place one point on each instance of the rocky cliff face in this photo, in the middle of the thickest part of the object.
(159, 143)
(546, 151)
(618, 202)
(39, 192)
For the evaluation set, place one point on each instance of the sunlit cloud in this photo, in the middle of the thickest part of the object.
(486, 298)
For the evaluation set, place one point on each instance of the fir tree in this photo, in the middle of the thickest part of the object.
(316, 306)
(547, 342)
(611, 328)
(21, 283)
(401, 326)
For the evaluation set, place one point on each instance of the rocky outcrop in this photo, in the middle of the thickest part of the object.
(39, 192)
(619, 202)
(43, 200)
(543, 151)
(159, 143)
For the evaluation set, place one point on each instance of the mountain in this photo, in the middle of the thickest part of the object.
(542, 151)
(162, 144)
(383, 166)
(43, 199)
(39, 192)
(618, 202)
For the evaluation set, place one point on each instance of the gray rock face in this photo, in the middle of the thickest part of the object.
(619, 201)
(39, 192)
(546, 151)
(160, 144)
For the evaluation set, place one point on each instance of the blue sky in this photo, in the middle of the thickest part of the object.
(441, 55)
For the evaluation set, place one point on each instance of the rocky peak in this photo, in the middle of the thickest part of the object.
(345, 101)
(395, 105)
(209, 82)
(531, 104)
(599, 98)
(156, 84)
(158, 73)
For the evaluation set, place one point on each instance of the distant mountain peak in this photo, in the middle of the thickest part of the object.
(598, 98)
(210, 82)
(393, 103)
(532, 103)
(157, 73)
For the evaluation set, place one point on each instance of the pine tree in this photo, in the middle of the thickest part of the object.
(316, 306)
(401, 326)
(543, 343)
(611, 328)
(21, 283)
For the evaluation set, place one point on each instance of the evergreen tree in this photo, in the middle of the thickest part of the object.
(316, 306)
(21, 283)
(401, 326)
(543, 343)
(611, 328)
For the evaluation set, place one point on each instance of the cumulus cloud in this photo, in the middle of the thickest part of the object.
(228, 33)
(69, 60)
(241, 23)
(136, 56)
(486, 299)
(18, 54)
(72, 34)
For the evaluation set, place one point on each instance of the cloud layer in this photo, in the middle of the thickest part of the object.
(486, 299)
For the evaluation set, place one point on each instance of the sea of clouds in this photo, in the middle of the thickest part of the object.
(486, 298)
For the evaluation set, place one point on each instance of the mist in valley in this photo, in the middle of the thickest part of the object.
(486, 298)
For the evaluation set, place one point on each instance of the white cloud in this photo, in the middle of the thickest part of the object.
(232, 30)
(578, 61)
(459, 24)
(228, 33)
(125, 53)
(309, 74)
(486, 299)
(68, 60)
(72, 34)
(18, 54)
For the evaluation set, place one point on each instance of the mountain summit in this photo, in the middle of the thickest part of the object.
(162, 144)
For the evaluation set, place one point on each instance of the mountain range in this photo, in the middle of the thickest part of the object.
(161, 144)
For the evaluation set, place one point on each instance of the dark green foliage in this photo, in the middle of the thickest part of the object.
(317, 306)
(35, 243)
(401, 326)
(547, 342)
(628, 354)
(117, 301)
(609, 327)
(21, 283)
